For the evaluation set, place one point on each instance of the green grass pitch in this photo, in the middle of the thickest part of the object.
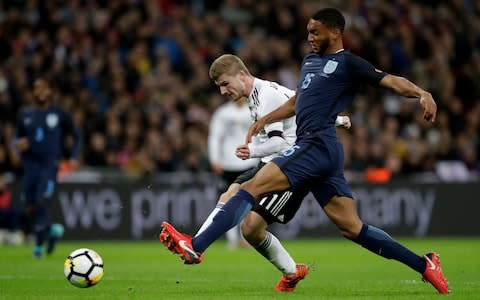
(146, 270)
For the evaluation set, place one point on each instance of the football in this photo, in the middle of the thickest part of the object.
(83, 268)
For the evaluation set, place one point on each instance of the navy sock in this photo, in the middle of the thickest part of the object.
(42, 224)
(379, 242)
(231, 214)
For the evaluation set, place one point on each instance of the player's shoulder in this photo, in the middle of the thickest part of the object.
(310, 55)
(266, 88)
(349, 56)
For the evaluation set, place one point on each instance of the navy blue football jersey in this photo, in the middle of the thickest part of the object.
(45, 130)
(327, 85)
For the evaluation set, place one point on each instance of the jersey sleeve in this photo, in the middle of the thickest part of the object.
(363, 71)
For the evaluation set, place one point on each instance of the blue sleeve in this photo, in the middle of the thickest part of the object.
(69, 128)
(363, 71)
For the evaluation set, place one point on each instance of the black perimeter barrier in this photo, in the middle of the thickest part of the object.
(135, 210)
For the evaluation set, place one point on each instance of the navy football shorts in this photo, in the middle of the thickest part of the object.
(38, 183)
(315, 164)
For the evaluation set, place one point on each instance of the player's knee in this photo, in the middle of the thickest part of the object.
(350, 231)
(229, 193)
(348, 234)
(224, 198)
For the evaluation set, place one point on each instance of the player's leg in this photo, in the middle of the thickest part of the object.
(45, 233)
(278, 207)
(180, 243)
(335, 197)
(171, 238)
(268, 179)
(42, 221)
(343, 213)
(254, 230)
(224, 197)
(28, 198)
(233, 235)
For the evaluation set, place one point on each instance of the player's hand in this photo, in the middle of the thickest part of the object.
(243, 152)
(254, 130)
(23, 144)
(429, 107)
(346, 123)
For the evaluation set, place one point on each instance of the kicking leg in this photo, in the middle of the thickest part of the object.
(224, 197)
(268, 179)
(171, 238)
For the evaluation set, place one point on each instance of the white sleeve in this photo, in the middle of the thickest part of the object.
(215, 135)
(272, 145)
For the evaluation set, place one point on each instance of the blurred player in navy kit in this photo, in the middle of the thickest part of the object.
(40, 138)
(329, 79)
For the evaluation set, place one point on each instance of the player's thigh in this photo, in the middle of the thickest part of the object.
(268, 179)
(29, 188)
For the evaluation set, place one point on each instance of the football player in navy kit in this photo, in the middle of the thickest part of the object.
(41, 129)
(235, 81)
(330, 77)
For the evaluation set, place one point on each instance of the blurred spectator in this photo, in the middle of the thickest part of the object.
(10, 217)
(135, 74)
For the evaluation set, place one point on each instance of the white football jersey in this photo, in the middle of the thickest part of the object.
(266, 96)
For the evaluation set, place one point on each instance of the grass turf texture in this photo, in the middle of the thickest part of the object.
(146, 270)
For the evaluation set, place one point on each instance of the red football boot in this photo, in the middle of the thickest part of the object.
(180, 244)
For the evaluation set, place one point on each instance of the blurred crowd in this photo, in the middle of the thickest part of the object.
(134, 75)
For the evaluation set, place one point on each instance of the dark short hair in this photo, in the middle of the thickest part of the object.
(331, 18)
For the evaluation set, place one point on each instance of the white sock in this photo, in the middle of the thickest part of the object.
(273, 250)
(210, 217)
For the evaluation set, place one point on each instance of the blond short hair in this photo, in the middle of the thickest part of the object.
(227, 64)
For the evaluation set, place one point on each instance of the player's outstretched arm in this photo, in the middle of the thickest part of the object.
(286, 110)
(406, 88)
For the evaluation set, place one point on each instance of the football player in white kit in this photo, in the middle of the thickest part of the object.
(235, 81)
